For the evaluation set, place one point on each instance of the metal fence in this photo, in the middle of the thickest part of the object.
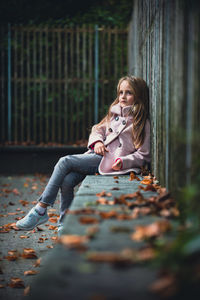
(56, 82)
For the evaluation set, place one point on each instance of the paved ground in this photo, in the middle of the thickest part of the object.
(65, 273)
(18, 194)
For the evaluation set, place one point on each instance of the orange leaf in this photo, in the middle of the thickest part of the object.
(27, 290)
(91, 231)
(30, 272)
(73, 241)
(24, 236)
(29, 253)
(16, 192)
(150, 231)
(147, 181)
(38, 262)
(16, 283)
(108, 214)
(51, 227)
(53, 220)
(88, 220)
(133, 177)
(109, 257)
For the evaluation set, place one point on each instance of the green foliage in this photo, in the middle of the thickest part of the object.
(110, 12)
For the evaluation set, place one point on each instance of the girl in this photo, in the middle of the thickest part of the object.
(119, 144)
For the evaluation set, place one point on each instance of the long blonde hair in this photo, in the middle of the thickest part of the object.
(139, 110)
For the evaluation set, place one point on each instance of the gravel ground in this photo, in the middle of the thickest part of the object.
(18, 195)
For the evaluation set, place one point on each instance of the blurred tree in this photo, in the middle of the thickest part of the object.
(112, 12)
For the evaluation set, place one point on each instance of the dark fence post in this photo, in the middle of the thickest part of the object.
(9, 85)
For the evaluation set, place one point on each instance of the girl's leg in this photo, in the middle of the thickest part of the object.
(84, 164)
(67, 191)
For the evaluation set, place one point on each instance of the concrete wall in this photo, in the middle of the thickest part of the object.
(164, 48)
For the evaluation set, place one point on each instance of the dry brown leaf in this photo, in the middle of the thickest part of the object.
(108, 214)
(27, 290)
(147, 181)
(12, 255)
(149, 187)
(2, 286)
(91, 231)
(53, 220)
(30, 272)
(51, 227)
(166, 286)
(73, 241)
(102, 201)
(150, 231)
(88, 220)
(38, 262)
(16, 192)
(109, 257)
(146, 254)
(23, 202)
(16, 283)
(29, 253)
(24, 236)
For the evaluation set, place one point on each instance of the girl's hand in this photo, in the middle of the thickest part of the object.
(100, 149)
(117, 165)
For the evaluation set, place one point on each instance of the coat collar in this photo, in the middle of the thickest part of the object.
(121, 111)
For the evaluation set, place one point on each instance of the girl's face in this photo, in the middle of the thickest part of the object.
(126, 97)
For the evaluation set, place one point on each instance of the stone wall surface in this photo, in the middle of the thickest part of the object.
(164, 47)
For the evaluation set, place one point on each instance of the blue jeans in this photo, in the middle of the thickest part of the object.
(68, 172)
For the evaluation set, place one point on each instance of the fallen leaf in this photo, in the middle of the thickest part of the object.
(147, 181)
(109, 257)
(24, 236)
(91, 231)
(51, 227)
(73, 241)
(108, 214)
(16, 192)
(150, 231)
(133, 177)
(102, 201)
(53, 220)
(2, 286)
(30, 272)
(23, 202)
(38, 262)
(88, 220)
(29, 253)
(16, 283)
(166, 286)
(27, 290)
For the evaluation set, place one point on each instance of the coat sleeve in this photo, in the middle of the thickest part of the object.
(97, 134)
(141, 155)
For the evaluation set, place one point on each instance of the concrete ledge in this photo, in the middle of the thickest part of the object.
(67, 274)
(17, 160)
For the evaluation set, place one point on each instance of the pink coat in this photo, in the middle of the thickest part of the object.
(117, 137)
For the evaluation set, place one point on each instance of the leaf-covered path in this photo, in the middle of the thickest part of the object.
(22, 251)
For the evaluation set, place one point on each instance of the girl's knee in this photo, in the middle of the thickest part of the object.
(62, 161)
